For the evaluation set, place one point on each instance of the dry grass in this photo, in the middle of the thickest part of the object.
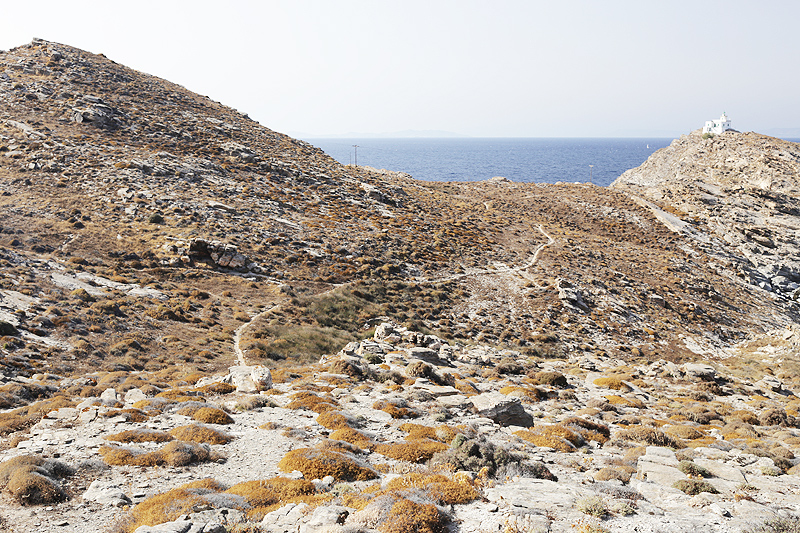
(32, 480)
(140, 435)
(201, 434)
(442, 489)
(417, 451)
(333, 420)
(652, 436)
(176, 453)
(316, 464)
(406, 516)
(353, 436)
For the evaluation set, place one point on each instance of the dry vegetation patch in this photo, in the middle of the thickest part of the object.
(316, 464)
(176, 453)
(201, 434)
(32, 480)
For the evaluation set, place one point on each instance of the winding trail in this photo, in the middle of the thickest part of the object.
(517, 270)
(237, 335)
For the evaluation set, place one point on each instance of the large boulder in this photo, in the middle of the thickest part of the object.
(502, 409)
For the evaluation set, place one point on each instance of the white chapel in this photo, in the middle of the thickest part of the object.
(717, 126)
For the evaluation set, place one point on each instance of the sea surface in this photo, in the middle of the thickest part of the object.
(542, 160)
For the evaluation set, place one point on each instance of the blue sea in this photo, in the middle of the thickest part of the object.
(542, 160)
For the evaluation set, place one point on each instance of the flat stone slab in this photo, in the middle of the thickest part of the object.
(533, 495)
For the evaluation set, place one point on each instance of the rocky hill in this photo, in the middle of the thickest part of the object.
(737, 193)
(210, 325)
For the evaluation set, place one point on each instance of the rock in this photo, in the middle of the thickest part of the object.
(284, 520)
(109, 397)
(699, 371)
(261, 377)
(182, 526)
(502, 409)
(383, 330)
(134, 395)
(106, 493)
(324, 516)
(532, 496)
(242, 378)
(770, 383)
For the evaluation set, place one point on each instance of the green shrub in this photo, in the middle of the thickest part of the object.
(693, 487)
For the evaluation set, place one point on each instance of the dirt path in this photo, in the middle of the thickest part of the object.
(237, 335)
(517, 270)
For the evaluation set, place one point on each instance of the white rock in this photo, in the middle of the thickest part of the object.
(106, 493)
(261, 377)
(134, 395)
(109, 397)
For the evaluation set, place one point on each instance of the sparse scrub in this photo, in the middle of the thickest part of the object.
(691, 469)
(406, 515)
(140, 435)
(416, 451)
(201, 434)
(693, 487)
(316, 464)
(592, 505)
(176, 453)
(652, 436)
(32, 480)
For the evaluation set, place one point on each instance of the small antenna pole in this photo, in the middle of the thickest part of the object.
(355, 146)
(590, 174)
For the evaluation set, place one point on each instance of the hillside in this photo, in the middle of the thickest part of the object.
(165, 261)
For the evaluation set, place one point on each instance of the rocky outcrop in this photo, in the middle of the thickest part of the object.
(737, 195)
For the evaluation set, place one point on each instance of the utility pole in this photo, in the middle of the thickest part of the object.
(355, 146)
(590, 174)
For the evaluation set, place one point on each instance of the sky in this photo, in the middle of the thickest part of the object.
(505, 68)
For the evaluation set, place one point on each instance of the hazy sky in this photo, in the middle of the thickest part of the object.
(510, 68)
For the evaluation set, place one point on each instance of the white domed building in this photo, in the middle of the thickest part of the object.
(718, 126)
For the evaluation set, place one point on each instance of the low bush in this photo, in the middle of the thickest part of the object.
(208, 415)
(592, 505)
(652, 436)
(693, 487)
(416, 451)
(553, 379)
(619, 472)
(201, 434)
(611, 383)
(140, 435)
(263, 496)
(406, 515)
(690, 468)
(32, 480)
(440, 488)
(353, 436)
(312, 402)
(396, 408)
(217, 388)
(479, 454)
(316, 464)
(176, 453)
(333, 420)
(777, 524)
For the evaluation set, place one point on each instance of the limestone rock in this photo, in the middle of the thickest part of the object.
(106, 493)
(502, 409)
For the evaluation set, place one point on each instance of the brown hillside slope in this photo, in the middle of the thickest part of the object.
(204, 218)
